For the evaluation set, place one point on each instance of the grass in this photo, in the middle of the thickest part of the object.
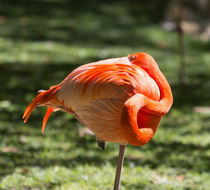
(40, 46)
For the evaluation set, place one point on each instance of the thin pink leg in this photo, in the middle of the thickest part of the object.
(119, 167)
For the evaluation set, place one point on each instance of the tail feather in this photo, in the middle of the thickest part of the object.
(47, 115)
(32, 106)
(41, 99)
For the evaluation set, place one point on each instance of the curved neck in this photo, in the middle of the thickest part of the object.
(165, 90)
(166, 98)
(146, 62)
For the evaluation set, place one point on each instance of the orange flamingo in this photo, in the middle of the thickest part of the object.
(120, 100)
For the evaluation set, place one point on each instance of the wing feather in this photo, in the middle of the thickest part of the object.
(102, 117)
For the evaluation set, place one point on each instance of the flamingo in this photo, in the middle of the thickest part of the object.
(121, 100)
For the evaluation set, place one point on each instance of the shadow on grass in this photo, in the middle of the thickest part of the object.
(196, 93)
(90, 23)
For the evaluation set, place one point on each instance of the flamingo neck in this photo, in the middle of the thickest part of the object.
(166, 98)
(165, 90)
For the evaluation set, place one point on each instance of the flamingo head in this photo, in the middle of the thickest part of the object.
(143, 60)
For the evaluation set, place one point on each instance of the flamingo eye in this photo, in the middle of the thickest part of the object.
(131, 57)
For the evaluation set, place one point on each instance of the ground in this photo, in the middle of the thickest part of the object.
(38, 51)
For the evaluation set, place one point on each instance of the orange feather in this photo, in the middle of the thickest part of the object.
(47, 115)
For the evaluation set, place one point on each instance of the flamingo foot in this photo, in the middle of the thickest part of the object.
(101, 144)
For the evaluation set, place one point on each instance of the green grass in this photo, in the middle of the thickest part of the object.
(40, 43)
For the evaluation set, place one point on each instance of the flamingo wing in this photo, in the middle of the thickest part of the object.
(97, 92)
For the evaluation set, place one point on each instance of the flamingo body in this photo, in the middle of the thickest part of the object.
(119, 100)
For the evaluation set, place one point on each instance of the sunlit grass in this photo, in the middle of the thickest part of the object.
(38, 51)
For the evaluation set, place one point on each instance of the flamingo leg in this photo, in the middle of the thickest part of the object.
(119, 167)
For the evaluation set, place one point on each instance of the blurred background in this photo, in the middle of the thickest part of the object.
(42, 41)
